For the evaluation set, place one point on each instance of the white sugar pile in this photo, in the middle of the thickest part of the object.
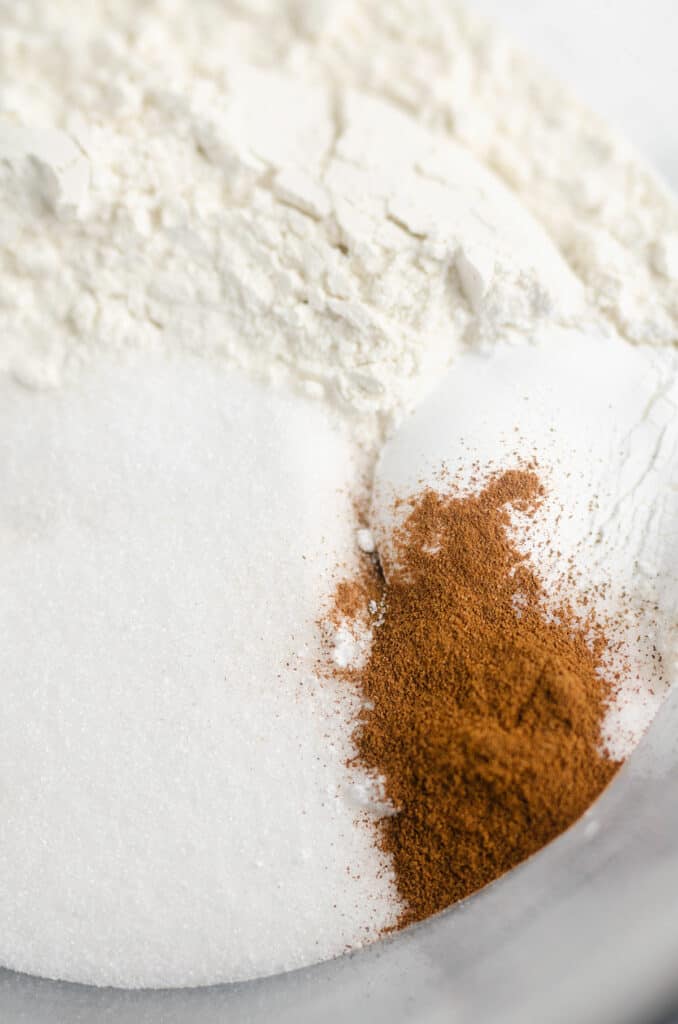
(175, 805)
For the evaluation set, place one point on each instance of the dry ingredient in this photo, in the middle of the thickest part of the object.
(172, 776)
(192, 198)
(281, 185)
(483, 705)
(600, 417)
(315, 193)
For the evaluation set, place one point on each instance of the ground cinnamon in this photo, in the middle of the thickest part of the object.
(484, 712)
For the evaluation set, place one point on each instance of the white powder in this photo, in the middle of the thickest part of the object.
(277, 183)
(183, 197)
(338, 197)
(175, 803)
(366, 542)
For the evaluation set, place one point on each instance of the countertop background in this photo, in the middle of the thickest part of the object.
(619, 56)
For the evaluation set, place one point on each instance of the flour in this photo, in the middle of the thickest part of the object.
(297, 229)
(279, 185)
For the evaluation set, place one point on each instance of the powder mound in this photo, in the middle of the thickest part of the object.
(483, 702)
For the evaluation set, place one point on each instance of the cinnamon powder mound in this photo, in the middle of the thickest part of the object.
(483, 711)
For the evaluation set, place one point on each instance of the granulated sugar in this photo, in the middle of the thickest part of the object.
(175, 803)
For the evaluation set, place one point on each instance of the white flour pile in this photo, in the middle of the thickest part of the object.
(238, 242)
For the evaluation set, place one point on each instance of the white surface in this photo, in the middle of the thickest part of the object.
(619, 56)
(174, 799)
